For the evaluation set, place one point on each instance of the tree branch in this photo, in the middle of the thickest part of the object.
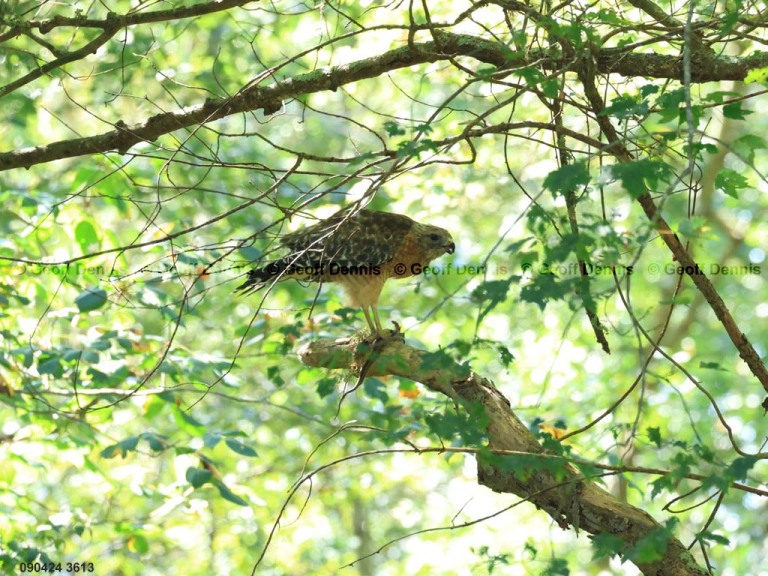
(112, 24)
(746, 351)
(90, 48)
(447, 45)
(569, 499)
(113, 19)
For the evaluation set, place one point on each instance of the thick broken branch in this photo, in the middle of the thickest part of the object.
(571, 500)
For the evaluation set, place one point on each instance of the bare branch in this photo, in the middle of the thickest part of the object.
(681, 254)
(112, 24)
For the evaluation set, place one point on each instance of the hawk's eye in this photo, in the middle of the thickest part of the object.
(434, 237)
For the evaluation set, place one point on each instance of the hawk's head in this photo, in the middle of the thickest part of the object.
(433, 242)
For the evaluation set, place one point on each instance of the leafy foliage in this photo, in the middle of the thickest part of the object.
(153, 153)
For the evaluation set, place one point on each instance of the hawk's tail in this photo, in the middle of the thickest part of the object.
(260, 277)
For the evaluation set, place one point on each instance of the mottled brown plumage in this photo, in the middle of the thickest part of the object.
(359, 250)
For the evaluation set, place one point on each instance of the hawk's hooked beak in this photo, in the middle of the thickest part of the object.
(450, 248)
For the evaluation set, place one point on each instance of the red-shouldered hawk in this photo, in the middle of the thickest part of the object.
(359, 250)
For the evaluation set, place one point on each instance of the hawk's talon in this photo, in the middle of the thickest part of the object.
(379, 336)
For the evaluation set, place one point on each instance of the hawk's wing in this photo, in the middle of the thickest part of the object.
(365, 238)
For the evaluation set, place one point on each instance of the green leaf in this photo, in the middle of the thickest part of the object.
(747, 145)
(239, 447)
(735, 111)
(486, 73)
(250, 253)
(227, 494)
(518, 244)
(52, 366)
(712, 366)
(671, 99)
(545, 288)
(89, 356)
(375, 388)
(666, 482)
(730, 182)
(654, 435)
(362, 158)
(198, 476)
(187, 423)
(505, 356)
(185, 258)
(653, 546)
(157, 443)
(153, 406)
(550, 87)
(648, 89)
(118, 376)
(413, 148)
(696, 227)
(97, 376)
(86, 236)
(27, 354)
(532, 76)
(122, 448)
(556, 567)
(568, 178)
(670, 105)
(393, 128)
(606, 545)
(626, 106)
(71, 354)
(211, 440)
(606, 16)
(738, 469)
(326, 386)
(759, 75)
(137, 544)
(707, 536)
(698, 147)
(91, 299)
(440, 360)
(719, 96)
(639, 176)
(103, 342)
(467, 425)
(273, 373)
(729, 17)
(491, 293)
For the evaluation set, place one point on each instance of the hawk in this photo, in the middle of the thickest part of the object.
(359, 250)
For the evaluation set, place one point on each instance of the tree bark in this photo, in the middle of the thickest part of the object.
(445, 46)
(571, 500)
